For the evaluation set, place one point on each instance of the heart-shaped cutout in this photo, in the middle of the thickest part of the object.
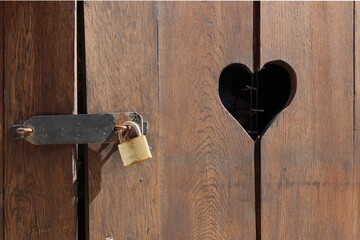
(255, 99)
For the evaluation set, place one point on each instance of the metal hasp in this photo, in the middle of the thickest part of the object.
(74, 129)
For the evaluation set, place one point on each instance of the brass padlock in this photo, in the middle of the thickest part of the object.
(135, 149)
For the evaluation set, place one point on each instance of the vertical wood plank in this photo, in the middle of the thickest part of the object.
(309, 175)
(207, 159)
(121, 72)
(39, 79)
(2, 119)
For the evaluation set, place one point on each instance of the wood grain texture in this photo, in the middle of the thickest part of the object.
(121, 72)
(2, 118)
(200, 182)
(39, 79)
(207, 159)
(309, 176)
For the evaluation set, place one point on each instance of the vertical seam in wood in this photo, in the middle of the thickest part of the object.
(82, 170)
(257, 169)
(354, 69)
(354, 93)
(159, 113)
(257, 149)
(256, 36)
(76, 102)
(158, 53)
(3, 120)
(75, 111)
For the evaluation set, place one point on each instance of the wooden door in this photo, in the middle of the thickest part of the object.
(208, 178)
(168, 57)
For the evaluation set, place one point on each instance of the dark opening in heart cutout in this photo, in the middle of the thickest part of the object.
(255, 99)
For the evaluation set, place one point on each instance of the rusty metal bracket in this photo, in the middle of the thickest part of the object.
(74, 129)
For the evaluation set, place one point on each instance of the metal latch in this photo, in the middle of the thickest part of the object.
(75, 129)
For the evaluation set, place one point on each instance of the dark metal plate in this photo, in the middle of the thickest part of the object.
(75, 129)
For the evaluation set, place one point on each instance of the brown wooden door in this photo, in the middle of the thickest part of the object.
(208, 178)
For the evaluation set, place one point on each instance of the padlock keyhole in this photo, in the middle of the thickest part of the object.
(255, 99)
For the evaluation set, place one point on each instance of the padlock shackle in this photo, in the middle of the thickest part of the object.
(130, 124)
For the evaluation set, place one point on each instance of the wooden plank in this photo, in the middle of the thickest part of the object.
(121, 72)
(39, 79)
(207, 159)
(309, 176)
(2, 118)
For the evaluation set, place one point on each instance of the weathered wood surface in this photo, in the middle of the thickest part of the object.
(207, 159)
(122, 75)
(163, 60)
(310, 175)
(39, 79)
